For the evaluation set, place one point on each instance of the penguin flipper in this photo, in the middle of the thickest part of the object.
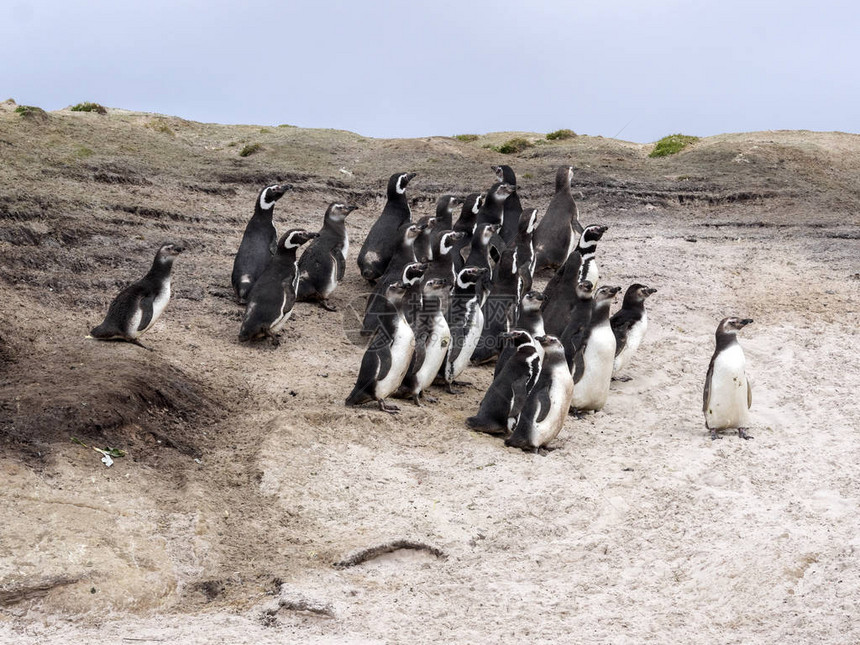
(579, 364)
(379, 347)
(337, 254)
(520, 392)
(706, 393)
(749, 394)
(145, 303)
(543, 401)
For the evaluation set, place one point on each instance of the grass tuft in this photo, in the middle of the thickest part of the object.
(672, 144)
(560, 135)
(160, 125)
(250, 149)
(31, 112)
(466, 138)
(89, 107)
(513, 146)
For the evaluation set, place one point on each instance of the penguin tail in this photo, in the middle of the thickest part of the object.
(305, 291)
(358, 397)
(480, 424)
(517, 440)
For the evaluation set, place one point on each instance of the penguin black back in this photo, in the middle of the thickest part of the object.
(382, 240)
(513, 207)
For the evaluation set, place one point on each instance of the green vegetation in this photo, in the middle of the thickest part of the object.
(250, 149)
(466, 138)
(160, 125)
(264, 131)
(672, 144)
(82, 152)
(89, 107)
(559, 135)
(31, 112)
(513, 146)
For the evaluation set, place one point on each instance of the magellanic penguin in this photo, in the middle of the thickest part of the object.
(271, 300)
(592, 363)
(578, 320)
(500, 308)
(465, 320)
(493, 212)
(442, 266)
(629, 324)
(504, 401)
(466, 223)
(432, 338)
(258, 242)
(382, 240)
(136, 308)
(530, 319)
(387, 357)
(728, 395)
(545, 410)
(445, 206)
(479, 255)
(323, 263)
(404, 255)
(513, 206)
(524, 243)
(424, 241)
(556, 234)
(560, 291)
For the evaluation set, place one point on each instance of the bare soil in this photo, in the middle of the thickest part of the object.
(246, 479)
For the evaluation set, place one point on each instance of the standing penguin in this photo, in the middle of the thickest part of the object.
(524, 243)
(479, 255)
(271, 301)
(545, 410)
(466, 224)
(728, 396)
(629, 324)
(323, 263)
(592, 363)
(382, 240)
(258, 242)
(578, 320)
(445, 206)
(424, 241)
(555, 236)
(387, 357)
(466, 320)
(504, 401)
(529, 319)
(442, 265)
(513, 207)
(432, 338)
(500, 308)
(560, 291)
(136, 308)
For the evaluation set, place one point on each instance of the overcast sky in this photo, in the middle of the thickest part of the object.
(636, 69)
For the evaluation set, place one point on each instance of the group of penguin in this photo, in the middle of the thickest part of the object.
(448, 294)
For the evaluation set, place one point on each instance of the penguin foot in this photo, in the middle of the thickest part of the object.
(714, 435)
(622, 379)
(576, 413)
(325, 304)
(417, 400)
(429, 399)
(135, 341)
(449, 388)
(385, 407)
(742, 433)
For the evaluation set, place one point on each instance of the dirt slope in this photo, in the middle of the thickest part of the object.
(246, 478)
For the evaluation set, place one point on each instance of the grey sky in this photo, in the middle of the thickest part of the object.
(404, 69)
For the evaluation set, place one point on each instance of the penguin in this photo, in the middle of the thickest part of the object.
(404, 255)
(578, 320)
(382, 240)
(504, 401)
(271, 300)
(592, 363)
(560, 291)
(727, 396)
(412, 279)
(555, 236)
(513, 207)
(530, 319)
(442, 265)
(524, 243)
(432, 338)
(545, 410)
(479, 255)
(466, 320)
(493, 212)
(424, 241)
(136, 308)
(445, 206)
(258, 242)
(629, 324)
(466, 223)
(387, 357)
(323, 263)
(500, 308)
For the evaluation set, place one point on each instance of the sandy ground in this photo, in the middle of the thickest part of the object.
(637, 528)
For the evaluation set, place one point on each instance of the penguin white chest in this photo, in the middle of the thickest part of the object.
(560, 393)
(728, 402)
(475, 324)
(634, 338)
(344, 248)
(592, 390)
(401, 350)
(434, 352)
(159, 303)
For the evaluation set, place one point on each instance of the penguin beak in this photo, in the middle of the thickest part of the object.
(652, 290)
(745, 322)
(350, 208)
(411, 176)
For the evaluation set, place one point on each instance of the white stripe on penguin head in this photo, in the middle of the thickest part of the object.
(263, 203)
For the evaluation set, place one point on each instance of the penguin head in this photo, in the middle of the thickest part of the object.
(437, 286)
(410, 232)
(732, 325)
(528, 221)
(446, 241)
(638, 293)
(549, 342)
(168, 251)
(270, 194)
(532, 301)
(517, 337)
(605, 293)
(398, 182)
(592, 234)
(294, 238)
(446, 205)
(505, 174)
(503, 191)
(427, 224)
(395, 292)
(338, 212)
(584, 289)
(563, 178)
(487, 232)
(413, 272)
(479, 202)
(469, 276)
